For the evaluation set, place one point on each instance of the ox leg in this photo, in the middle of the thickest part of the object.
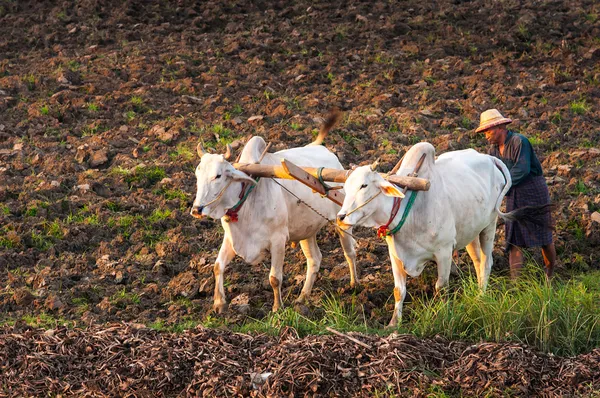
(474, 250)
(443, 259)
(313, 263)
(276, 274)
(486, 237)
(399, 290)
(348, 244)
(226, 254)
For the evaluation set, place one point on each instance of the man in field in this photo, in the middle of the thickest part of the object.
(528, 189)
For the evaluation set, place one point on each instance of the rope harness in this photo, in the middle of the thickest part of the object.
(384, 230)
(326, 187)
(233, 212)
(219, 195)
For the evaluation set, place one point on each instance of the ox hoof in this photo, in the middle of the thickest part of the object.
(219, 308)
(301, 300)
(393, 323)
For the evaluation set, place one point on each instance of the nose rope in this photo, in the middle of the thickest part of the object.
(337, 228)
(364, 204)
(219, 195)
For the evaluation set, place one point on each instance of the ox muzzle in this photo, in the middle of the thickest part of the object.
(197, 212)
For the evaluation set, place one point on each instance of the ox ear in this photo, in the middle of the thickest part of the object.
(390, 189)
(237, 175)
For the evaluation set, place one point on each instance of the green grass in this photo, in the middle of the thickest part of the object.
(30, 81)
(44, 110)
(579, 107)
(46, 321)
(73, 65)
(336, 314)
(141, 175)
(171, 194)
(138, 103)
(225, 136)
(92, 107)
(112, 206)
(83, 216)
(561, 318)
(130, 115)
(183, 152)
(123, 298)
(41, 241)
(536, 140)
(296, 126)
(159, 215)
(125, 224)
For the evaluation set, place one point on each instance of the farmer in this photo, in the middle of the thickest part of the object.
(528, 189)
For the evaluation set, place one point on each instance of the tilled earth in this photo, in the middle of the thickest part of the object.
(103, 102)
(122, 360)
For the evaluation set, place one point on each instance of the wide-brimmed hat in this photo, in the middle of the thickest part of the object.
(491, 118)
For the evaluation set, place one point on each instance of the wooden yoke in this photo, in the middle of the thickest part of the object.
(331, 175)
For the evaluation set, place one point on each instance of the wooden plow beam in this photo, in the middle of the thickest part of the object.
(308, 176)
(312, 182)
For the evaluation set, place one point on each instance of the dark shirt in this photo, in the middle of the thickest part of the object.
(518, 157)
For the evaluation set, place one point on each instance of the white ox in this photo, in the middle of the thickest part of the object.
(270, 216)
(460, 209)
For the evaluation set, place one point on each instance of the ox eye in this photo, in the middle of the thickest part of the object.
(217, 176)
(363, 186)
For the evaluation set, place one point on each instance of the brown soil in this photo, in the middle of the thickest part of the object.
(134, 361)
(103, 102)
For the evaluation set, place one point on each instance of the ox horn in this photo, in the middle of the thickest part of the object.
(200, 149)
(229, 153)
(374, 165)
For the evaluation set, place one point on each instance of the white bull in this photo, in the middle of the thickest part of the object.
(270, 216)
(460, 209)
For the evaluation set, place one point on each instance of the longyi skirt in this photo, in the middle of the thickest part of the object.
(532, 192)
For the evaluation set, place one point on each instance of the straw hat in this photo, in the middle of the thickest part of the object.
(491, 118)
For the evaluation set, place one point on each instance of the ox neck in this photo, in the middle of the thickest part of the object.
(244, 193)
(396, 205)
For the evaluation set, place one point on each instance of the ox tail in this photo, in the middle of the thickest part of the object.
(529, 214)
(330, 121)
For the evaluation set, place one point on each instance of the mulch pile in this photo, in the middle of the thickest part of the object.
(131, 360)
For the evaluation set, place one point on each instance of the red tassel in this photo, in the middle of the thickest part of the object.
(382, 231)
(233, 215)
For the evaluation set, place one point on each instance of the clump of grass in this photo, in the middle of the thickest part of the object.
(182, 152)
(296, 126)
(8, 238)
(29, 81)
(123, 298)
(579, 107)
(92, 107)
(130, 115)
(224, 135)
(286, 317)
(112, 206)
(125, 224)
(159, 215)
(46, 321)
(561, 318)
(536, 140)
(142, 175)
(171, 194)
(138, 104)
